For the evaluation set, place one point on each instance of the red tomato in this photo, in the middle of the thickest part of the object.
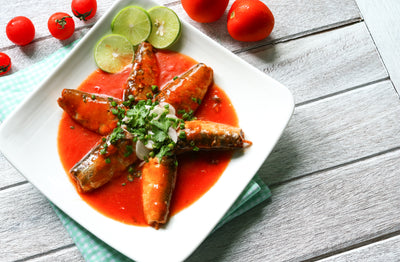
(250, 20)
(20, 30)
(61, 25)
(5, 63)
(84, 9)
(205, 11)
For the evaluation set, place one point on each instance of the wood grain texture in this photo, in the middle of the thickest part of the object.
(71, 254)
(293, 18)
(9, 175)
(384, 31)
(322, 64)
(315, 215)
(385, 250)
(314, 15)
(39, 13)
(28, 224)
(334, 131)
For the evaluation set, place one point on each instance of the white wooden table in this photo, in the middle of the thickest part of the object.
(335, 173)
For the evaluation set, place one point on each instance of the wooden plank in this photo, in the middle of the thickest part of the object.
(9, 175)
(65, 254)
(292, 19)
(28, 225)
(314, 15)
(39, 13)
(30, 55)
(334, 131)
(384, 31)
(315, 215)
(385, 250)
(346, 57)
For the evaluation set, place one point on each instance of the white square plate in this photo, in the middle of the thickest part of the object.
(28, 138)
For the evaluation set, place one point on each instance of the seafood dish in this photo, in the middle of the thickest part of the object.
(147, 130)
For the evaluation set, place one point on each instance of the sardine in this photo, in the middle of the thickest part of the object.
(158, 183)
(144, 74)
(103, 161)
(186, 92)
(92, 111)
(207, 135)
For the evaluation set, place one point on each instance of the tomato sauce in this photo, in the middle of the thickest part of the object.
(121, 199)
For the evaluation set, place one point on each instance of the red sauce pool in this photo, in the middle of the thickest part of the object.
(120, 199)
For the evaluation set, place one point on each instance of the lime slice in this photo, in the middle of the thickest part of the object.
(166, 27)
(113, 53)
(134, 23)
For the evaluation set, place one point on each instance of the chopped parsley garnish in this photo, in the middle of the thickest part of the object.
(196, 100)
(187, 116)
(148, 123)
(155, 89)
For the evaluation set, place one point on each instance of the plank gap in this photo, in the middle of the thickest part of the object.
(45, 253)
(306, 102)
(13, 185)
(355, 246)
(314, 31)
(277, 184)
(39, 39)
(380, 56)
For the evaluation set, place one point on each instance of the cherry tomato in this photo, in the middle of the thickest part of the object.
(205, 11)
(61, 25)
(84, 9)
(5, 63)
(250, 20)
(20, 30)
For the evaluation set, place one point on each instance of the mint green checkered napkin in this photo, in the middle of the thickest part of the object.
(15, 87)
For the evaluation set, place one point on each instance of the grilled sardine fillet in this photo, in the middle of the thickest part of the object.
(92, 111)
(158, 183)
(186, 92)
(207, 135)
(144, 74)
(103, 161)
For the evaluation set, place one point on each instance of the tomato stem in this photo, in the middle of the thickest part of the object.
(82, 16)
(62, 22)
(4, 68)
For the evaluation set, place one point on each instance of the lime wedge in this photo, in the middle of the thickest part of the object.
(113, 53)
(166, 27)
(134, 23)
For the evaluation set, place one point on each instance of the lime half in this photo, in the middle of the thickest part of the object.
(134, 23)
(166, 27)
(113, 53)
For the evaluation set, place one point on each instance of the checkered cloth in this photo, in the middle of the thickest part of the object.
(15, 87)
